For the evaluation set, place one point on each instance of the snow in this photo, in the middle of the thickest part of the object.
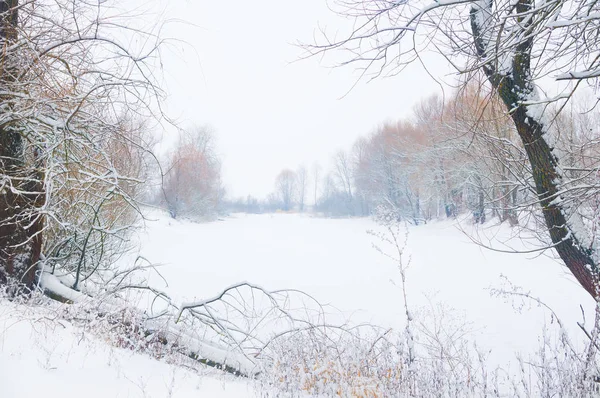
(563, 23)
(205, 349)
(40, 356)
(334, 261)
(52, 283)
(482, 17)
(536, 109)
(173, 332)
(581, 75)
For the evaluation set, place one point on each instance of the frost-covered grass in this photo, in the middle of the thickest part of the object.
(450, 288)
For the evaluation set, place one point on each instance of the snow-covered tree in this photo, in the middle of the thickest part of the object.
(514, 44)
(75, 79)
(285, 188)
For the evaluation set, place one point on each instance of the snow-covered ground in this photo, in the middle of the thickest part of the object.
(332, 260)
(42, 356)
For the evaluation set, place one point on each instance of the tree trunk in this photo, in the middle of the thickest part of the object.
(21, 186)
(546, 175)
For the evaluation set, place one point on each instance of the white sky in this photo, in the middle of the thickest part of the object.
(236, 74)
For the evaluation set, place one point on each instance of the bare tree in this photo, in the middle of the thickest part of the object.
(22, 187)
(192, 185)
(302, 179)
(514, 44)
(344, 175)
(71, 85)
(360, 159)
(285, 188)
(388, 168)
(316, 172)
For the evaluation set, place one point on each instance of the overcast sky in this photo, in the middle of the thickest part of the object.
(239, 72)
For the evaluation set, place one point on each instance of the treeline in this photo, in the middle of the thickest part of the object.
(462, 155)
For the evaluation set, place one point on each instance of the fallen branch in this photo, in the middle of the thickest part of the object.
(164, 328)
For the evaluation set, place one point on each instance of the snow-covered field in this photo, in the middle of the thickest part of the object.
(332, 260)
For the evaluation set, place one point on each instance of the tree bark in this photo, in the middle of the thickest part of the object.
(544, 163)
(21, 184)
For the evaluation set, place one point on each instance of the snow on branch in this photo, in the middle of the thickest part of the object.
(232, 330)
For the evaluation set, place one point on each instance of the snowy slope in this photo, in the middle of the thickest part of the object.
(41, 355)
